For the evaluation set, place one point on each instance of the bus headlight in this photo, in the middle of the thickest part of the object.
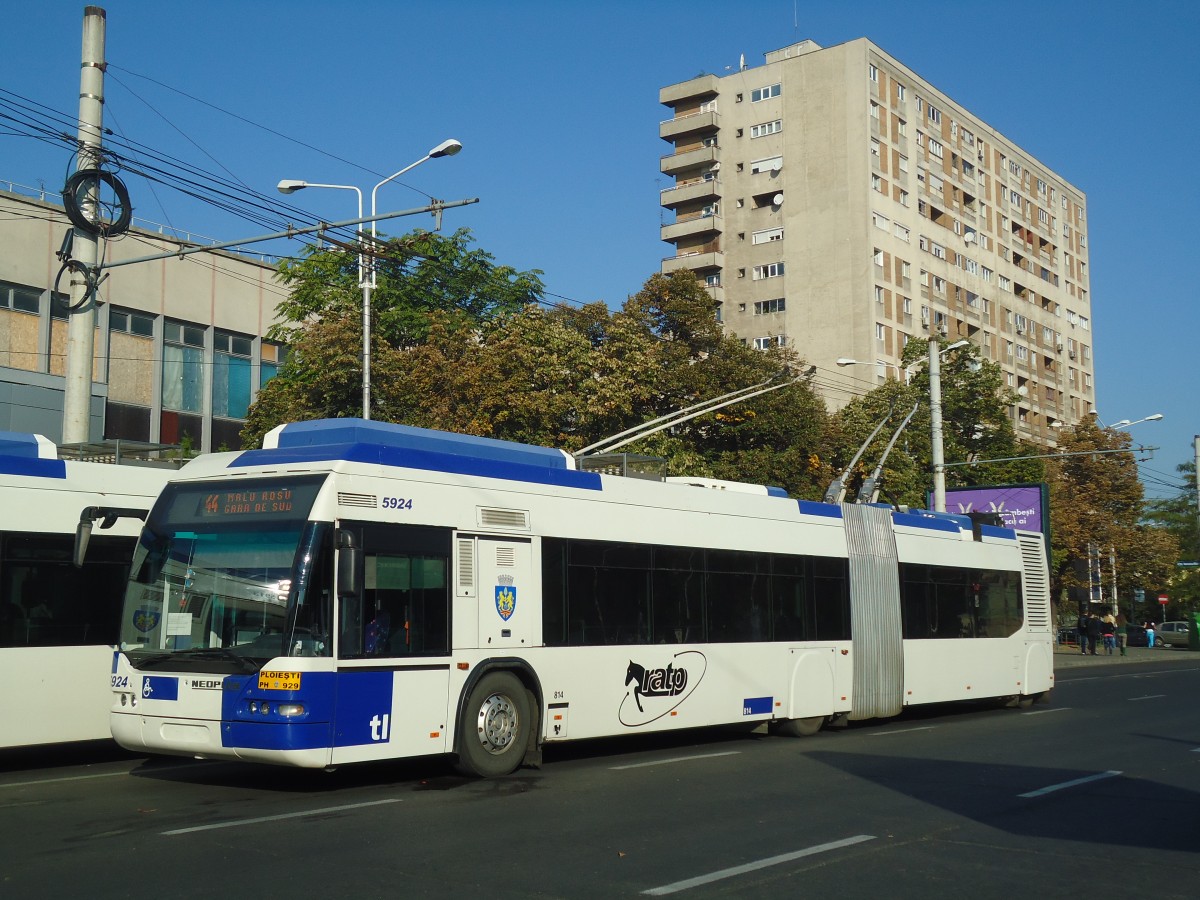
(289, 710)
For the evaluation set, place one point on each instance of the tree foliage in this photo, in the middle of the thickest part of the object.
(560, 377)
(1177, 515)
(1096, 500)
(975, 427)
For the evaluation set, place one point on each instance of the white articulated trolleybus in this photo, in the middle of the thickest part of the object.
(59, 623)
(361, 591)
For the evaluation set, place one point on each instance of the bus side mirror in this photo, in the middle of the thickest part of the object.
(83, 534)
(349, 566)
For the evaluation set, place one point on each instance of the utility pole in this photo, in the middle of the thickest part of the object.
(935, 424)
(81, 324)
(1196, 447)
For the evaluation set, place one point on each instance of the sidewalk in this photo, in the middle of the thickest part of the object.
(1068, 656)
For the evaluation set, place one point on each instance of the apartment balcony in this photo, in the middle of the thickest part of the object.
(716, 291)
(695, 260)
(690, 191)
(689, 124)
(674, 163)
(700, 87)
(702, 225)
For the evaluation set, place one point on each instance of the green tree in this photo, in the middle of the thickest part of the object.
(975, 427)
(416, 275)
(1097, 505)
(1178, 516)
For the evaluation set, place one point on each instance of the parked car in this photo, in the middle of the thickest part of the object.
(1137, 637)
(1175, 634)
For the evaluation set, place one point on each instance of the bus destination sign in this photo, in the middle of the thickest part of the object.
(246, 502)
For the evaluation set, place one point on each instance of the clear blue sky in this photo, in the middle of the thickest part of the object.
(556, 104)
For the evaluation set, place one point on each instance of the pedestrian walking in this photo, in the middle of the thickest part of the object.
(1093, 632)
(1122, 633)
(1081, 628)
(1108, 631)
(1150, 634)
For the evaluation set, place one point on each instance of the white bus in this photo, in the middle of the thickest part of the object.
(59, 623)
(362, 591)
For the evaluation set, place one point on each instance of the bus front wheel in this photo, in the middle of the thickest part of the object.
(495, 726)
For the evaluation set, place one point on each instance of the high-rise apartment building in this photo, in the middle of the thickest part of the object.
(834, 200)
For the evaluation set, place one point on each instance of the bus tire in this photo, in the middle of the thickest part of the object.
(494, 731)
(801, 727)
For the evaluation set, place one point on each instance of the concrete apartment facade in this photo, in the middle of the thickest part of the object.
(834, 200)
(179, 352)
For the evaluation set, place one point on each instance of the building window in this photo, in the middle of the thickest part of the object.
(880, 221)
(902, 161)
(773, 90)
(771, 270)
(130, 322)
(765, 307)
(876, 183)
(902, 233)
(875, 150)
(877, 256)
(765, 343)
(873, 73)
(878, 294)
(183, 367)
(935, 115)
(765, 128)
(767, 236)
(901, 127)
(768, 164)
(936, 149)
(19, 297)
(901, 92)
(880, 331)
(231, 374)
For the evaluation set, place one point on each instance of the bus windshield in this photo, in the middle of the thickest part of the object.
(228, 576)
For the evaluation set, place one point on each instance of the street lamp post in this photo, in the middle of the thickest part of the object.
(366, 275)
(1125, 423)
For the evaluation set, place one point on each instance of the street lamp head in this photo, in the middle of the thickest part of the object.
(445, 148)
(1122, 423)
(956, 345)
(1154, 418)
(846, 361)
(289, 186)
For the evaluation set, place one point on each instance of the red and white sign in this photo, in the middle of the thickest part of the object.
(1163, 599)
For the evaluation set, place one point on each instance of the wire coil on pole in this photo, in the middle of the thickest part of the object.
(84, 179)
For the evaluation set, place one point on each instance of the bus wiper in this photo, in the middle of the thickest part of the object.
(246, 664)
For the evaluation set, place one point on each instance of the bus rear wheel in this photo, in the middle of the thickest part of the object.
(494, 729)
(801, 727)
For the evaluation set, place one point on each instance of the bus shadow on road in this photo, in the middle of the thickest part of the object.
(1108, 809)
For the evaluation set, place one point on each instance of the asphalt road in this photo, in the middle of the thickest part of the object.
(1095, 794)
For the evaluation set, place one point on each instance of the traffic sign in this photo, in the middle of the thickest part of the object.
(1164, 599)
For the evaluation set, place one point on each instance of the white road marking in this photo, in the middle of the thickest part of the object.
(1147, 697)
(1042, 712)
(296, 815)
(674, 759)
(755, 866)
(902, 731)
(68, 778)
(1067, 784)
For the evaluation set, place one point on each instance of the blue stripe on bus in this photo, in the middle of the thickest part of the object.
(421, 459)
(810, 508)
(408, 437)
(933, 521)
(994, 531)
(38, 468)
(346, 709)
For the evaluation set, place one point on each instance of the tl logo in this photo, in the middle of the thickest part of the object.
(506, 597)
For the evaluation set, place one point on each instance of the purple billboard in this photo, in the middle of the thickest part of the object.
(1020, 506)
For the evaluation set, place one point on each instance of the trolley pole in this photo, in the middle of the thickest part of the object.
(81, 325)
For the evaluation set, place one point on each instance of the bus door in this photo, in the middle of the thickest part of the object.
(394, 645)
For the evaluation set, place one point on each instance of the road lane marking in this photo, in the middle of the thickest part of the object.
(296, 815)
(755, 866)
(902, 730)
(66, 778)
(674, 759)
(1042, 712)
(1067, 784)
(1147, 697)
